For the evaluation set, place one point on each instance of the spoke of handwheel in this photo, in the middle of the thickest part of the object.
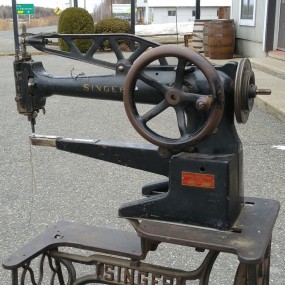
(152, 82)
(192, 97)
(160, 107)
(180, 73)
(181, 120)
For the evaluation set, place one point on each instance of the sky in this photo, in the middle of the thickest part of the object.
(54, 3)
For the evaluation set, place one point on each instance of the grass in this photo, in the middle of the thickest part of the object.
(6, 25)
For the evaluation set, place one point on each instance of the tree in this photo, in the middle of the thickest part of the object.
(104, 10)
(5, 12)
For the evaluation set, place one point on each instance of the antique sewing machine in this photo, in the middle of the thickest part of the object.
(201, 202)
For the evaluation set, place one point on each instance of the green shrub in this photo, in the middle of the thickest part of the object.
(113, 26)
(75, 21)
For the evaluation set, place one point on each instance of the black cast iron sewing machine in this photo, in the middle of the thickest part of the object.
(200, 203)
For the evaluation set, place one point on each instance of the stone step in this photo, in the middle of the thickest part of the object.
(270, 66)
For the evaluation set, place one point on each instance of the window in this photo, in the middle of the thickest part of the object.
(171, 13)
(193, 13)
(247, 12)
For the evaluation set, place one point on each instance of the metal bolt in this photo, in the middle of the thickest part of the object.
(121, 68)
(164, 152)
(200, 105)
(18, 99)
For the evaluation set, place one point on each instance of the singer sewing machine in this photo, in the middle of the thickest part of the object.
(201, 202)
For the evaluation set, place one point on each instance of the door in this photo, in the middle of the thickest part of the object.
(281, 33)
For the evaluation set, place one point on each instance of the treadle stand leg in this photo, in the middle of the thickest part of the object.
(15, 276)
(254, 274)
(59, 273)
(209, 262)
(71, 272)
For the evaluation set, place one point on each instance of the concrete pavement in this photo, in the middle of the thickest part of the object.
(271, 73)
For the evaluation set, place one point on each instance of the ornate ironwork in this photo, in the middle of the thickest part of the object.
(110, 270)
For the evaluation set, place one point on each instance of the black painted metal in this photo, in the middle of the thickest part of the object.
(139, 156)
(43, 42)
(223, 142)
(216, 204)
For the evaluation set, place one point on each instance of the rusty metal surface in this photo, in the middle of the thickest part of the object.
(59, 267)
(178, 96)
(76, 235)
(248, 239)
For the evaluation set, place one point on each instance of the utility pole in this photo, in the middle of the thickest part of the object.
(133, 22)
(197, 12)
(133, 16)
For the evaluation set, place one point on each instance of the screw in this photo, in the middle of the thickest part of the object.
(200, 105)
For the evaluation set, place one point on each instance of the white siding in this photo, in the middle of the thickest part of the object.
(249, 40)
(188, 3)
(160, 15)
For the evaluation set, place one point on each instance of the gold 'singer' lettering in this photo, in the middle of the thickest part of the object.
(129, 276)
(109, 274)
(103, 88)
(86, 87)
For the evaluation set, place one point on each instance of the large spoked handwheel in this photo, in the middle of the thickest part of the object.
(175, 96)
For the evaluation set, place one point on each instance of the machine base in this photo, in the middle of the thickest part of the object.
(250, 241)
(204, 190)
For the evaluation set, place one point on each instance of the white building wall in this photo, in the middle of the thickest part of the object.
(159, 15)
(249, 39)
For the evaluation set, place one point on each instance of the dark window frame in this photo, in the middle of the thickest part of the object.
(171, 13)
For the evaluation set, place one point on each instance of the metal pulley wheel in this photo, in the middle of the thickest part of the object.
(174, 95)
(245, 91)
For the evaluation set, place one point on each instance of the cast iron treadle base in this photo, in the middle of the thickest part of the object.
(66, 234)
(250, 240)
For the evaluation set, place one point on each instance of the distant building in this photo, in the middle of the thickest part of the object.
(260, 26)
(169, 11)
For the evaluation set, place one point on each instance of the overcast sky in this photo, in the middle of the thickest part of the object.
(54, 3)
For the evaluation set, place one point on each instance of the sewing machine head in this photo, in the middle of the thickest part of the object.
(203, 160)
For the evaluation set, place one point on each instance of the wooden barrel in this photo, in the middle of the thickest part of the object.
(221, 39)
(197, 39)
(205, 38)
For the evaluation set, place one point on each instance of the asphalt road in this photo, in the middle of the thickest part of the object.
(40, 186)
(7, 38)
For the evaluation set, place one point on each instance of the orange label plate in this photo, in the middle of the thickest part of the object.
(198, 180)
